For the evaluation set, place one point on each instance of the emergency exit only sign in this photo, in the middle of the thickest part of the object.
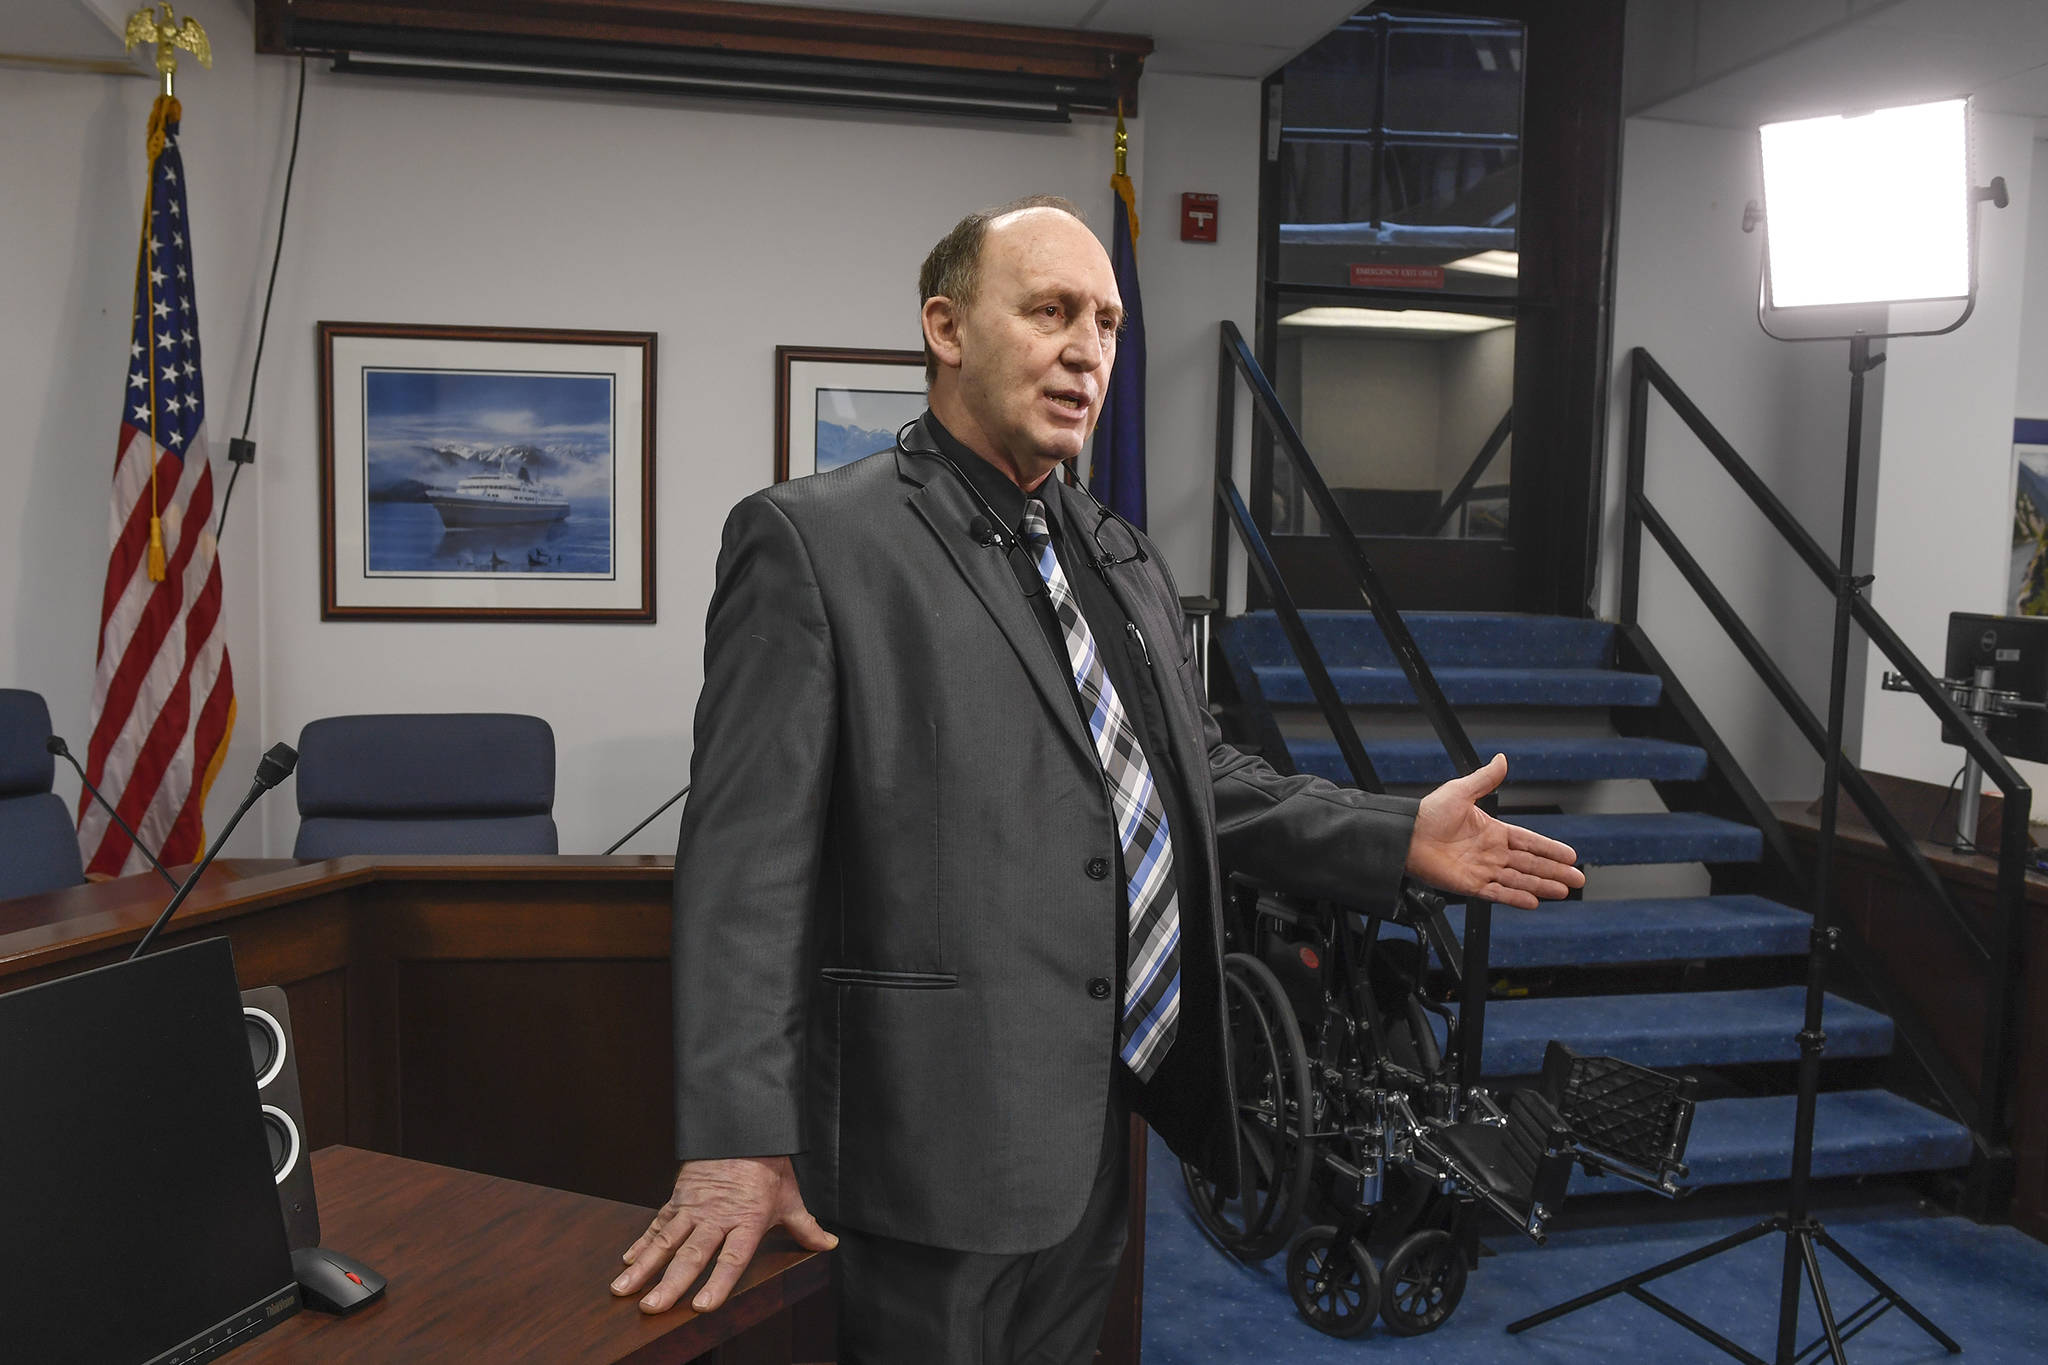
(1198, 217)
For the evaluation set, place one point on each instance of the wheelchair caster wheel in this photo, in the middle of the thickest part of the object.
(1424, 1279)
(1335, 1286)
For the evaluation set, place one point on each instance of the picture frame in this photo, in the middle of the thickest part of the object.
(2027, 576)
(486, 473)
(837, 405)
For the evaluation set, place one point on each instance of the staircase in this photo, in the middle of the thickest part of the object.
(1680, 957)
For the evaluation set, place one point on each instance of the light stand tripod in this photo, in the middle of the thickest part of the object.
(1803, 1233)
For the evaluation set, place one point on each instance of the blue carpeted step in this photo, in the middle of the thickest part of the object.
(1678, 929)
(1657, 837)
(1446, 639)
(1855, 1132)
(1286, 685)
(1541, 758)
(1695, 1028)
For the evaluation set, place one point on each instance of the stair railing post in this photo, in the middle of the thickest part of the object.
(1633, 492)
(2002, 991)
(1226, 460)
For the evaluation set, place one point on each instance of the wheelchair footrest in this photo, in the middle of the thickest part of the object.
(1526, 1164)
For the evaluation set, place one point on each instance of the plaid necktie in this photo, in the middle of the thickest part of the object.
(1151, 1005)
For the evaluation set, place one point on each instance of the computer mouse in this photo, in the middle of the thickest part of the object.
(334, 1283)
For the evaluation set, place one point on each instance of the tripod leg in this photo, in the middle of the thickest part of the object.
(1898, 1300)
(1804, 1237)
(1643, 1277)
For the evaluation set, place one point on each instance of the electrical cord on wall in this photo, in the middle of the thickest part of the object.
(242, 450)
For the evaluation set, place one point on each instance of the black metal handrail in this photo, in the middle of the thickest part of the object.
(1480, 462)
(1986, 1110)
(1234, 362)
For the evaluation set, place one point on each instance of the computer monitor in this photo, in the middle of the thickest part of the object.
(139, 1221)
(2016, 649)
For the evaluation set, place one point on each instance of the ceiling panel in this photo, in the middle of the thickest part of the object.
(68, 31)
(1224, 37)
(1895, 54)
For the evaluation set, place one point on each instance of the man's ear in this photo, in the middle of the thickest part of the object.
(942, 330)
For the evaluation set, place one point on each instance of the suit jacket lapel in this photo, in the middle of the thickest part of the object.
(947, 507)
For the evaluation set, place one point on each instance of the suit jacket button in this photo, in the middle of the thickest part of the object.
(1099, 988)
(1098, 868)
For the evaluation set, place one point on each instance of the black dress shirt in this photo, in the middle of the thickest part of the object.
(1127, 656)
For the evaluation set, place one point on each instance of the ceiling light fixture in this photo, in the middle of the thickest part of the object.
(1410, 320)
(1506, 264)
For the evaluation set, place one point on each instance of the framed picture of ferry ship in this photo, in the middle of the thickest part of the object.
(833, 407)
(486, 473)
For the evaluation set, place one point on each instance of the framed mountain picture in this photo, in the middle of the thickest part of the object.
(486, 473)
(833, 407)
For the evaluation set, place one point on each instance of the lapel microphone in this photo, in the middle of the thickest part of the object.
(984, 532)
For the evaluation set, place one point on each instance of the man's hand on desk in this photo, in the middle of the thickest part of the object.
(729, 1204)
(1460, 848)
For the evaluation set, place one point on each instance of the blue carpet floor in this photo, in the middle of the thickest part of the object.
(1986, 1286)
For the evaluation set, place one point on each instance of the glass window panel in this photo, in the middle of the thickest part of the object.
(1397, 408)
(1430, 181)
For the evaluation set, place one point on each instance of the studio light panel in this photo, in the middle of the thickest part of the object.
(1869, 209)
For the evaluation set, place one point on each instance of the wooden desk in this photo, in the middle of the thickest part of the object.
(486, 1269)
(504, 1015)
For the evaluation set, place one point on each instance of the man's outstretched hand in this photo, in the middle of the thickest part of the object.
(1460, 848)
(720, 1209)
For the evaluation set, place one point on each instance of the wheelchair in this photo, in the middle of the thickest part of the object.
(1360, 1154)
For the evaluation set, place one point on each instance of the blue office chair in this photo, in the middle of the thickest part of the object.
(38, 842)
(458, 783)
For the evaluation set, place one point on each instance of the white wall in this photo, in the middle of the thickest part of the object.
(2031, 400)
(1370, 407)
(1685, 290)
(1201, 134)
(727, 229)
(1478, 386)
(1399, 412)
(1945, 497)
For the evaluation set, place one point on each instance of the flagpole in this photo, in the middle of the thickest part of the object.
(169, 36)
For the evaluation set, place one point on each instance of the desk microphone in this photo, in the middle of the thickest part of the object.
(56, 745)
(276, 766)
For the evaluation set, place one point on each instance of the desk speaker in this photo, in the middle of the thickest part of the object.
(268, 1021)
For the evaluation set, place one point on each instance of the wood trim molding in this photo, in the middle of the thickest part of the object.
(300, 27)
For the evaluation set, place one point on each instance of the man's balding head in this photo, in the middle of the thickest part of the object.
(953, 269)
(1021, 313)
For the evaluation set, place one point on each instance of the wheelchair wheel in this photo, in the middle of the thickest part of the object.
(1335, 1285)
(1269, 1068)
(1423, 1281)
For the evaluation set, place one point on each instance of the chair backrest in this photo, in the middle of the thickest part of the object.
(455, 783)
(38, 842)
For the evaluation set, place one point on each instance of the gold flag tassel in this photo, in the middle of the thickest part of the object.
(1121, 181)
(145, 27)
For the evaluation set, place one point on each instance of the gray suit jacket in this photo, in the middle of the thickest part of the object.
(886, 926)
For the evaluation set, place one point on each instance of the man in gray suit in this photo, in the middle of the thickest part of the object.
(948, 889)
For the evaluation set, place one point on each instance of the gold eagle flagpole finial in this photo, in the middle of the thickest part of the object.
(144, 26)
(169, 35)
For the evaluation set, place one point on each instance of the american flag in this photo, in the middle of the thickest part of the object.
(163, 695)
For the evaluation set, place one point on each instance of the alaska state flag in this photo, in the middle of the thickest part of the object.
(1117, 475)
